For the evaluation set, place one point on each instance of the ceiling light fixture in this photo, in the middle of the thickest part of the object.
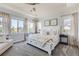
(32, 3)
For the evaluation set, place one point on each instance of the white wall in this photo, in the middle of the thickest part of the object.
(17, 37)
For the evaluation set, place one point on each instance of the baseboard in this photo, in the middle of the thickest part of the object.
(19, 41)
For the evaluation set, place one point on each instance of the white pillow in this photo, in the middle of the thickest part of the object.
(2, 39)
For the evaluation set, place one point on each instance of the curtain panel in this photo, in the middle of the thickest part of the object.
(73, 36)
(5, 22)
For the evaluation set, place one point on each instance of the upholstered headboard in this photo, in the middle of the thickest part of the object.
(50, 31)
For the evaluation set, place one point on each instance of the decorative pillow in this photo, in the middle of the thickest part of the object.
(2, 39)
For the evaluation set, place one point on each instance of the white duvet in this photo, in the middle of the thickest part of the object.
(45, 39)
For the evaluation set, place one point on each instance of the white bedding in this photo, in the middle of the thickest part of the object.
(45, 41)
(42, 39)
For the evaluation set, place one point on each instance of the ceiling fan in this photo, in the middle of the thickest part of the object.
(32, 3)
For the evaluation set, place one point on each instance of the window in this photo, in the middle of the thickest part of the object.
(31, 27)
(34, 27)
(17, 25)
(1, 26)
(38, 27)
(14, 26)
(21, 25)
(67, 25)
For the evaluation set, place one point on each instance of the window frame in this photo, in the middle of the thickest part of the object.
(35, 26)
(11, 25)
(63, 26)
(19, 26)
(2, 25)
(18, 19)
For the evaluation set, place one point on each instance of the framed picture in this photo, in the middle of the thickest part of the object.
(53, 22)
(46, 22)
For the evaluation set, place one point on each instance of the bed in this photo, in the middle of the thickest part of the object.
(45, 41)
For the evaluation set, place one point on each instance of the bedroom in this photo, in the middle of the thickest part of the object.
(33, 27)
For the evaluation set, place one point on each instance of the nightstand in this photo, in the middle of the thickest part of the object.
(64, 39)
